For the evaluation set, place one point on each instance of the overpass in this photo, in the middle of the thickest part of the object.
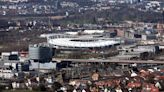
(111, 61)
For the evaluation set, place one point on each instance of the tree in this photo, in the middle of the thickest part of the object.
(56, 86)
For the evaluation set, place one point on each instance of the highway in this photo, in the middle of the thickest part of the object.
(111, 61)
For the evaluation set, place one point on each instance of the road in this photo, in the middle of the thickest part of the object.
(112, 61)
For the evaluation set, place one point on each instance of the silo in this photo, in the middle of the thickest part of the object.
(40, 53)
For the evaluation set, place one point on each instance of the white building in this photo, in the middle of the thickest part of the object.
(6, 73)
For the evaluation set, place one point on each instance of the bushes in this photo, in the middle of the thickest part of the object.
(40, 88)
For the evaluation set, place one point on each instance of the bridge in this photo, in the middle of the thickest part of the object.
(111, 61)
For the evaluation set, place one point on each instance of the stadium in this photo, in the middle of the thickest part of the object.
(73, 45)
(83, 42)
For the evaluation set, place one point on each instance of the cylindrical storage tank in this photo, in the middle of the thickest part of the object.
(40, 53)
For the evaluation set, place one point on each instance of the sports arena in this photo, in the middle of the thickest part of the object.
(87, 45)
